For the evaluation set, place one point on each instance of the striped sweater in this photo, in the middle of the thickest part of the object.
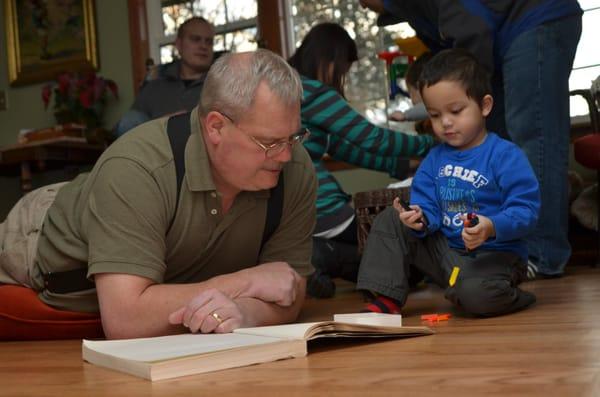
(343, 133)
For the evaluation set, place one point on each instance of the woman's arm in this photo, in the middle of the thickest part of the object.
(355, 140)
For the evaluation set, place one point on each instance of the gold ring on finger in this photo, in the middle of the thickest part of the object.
(216, 316)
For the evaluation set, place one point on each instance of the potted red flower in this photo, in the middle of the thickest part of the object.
(79, 98)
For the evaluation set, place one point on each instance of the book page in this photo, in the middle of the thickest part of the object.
(353, 324)
(339, 329)
(174, 346)
(370, 318)
(286, 331)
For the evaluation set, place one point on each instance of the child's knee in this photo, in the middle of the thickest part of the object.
(386, 220)
(489, 297)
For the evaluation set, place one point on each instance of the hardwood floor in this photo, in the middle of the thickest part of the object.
(552, 349)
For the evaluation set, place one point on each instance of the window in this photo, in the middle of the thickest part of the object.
(234, 20)
(365, 87)
(586, 66)
(366, 84)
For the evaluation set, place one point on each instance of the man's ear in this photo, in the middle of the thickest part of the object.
(213, 123)
(486, 105)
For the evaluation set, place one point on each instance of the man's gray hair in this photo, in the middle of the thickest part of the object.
(232, 81)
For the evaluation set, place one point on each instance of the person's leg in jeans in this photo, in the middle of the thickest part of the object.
(536, 71)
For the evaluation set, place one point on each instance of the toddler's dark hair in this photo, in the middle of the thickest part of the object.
(458, 65)
(415, 69)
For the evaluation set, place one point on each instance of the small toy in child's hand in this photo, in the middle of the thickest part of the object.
(406, 207)
(472, 220)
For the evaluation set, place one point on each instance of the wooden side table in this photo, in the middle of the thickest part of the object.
(43, 155)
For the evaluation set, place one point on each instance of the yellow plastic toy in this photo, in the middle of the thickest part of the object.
(411, 46)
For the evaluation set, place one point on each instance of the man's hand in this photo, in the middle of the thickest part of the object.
(274, 282)
(477, 235)
(373, 5)
(413, 219)
(210, 311)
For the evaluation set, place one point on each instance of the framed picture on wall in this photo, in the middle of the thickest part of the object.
(46, 37)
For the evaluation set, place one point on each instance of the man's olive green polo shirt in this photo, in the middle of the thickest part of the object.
(115, 219)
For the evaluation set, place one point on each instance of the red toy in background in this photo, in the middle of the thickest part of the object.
(396, 64)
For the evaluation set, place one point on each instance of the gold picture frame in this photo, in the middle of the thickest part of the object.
(45, 38)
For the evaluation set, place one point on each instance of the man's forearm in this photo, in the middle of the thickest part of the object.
(133, 307)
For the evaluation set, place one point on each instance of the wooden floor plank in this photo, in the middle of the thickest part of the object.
(552, 349)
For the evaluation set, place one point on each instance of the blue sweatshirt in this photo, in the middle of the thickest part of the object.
(493, 179)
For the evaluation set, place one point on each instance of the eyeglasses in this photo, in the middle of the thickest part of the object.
(276, 148)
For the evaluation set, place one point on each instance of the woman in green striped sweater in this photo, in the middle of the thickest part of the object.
(323, 60)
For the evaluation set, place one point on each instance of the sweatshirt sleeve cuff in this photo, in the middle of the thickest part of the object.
(501, 228)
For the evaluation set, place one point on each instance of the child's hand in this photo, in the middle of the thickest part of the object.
(397, 116)
(476, 235)
(413, 218)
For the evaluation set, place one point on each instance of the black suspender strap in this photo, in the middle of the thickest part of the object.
(68, 281)
(274, 210)
(178, 130)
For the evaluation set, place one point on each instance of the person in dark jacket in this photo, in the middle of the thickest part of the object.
(174, 87)
(529, 47)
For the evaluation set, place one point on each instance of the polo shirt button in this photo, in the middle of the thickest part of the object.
(213, 194)
(213, 211)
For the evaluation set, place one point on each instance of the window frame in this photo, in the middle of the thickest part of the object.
(272, 22)
(158, 39)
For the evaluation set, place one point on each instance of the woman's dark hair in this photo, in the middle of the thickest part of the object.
(458, 65)
(326, 43)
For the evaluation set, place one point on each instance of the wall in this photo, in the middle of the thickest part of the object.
(361, 180)
(25, 107)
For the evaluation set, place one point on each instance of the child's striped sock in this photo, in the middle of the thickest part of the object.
(383, 304)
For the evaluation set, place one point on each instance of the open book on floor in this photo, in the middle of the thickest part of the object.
(179, 355)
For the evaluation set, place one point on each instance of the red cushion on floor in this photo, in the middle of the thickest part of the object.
(23, 316)
(587, 151)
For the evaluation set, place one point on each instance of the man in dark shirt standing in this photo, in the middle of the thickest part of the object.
(174, 87)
